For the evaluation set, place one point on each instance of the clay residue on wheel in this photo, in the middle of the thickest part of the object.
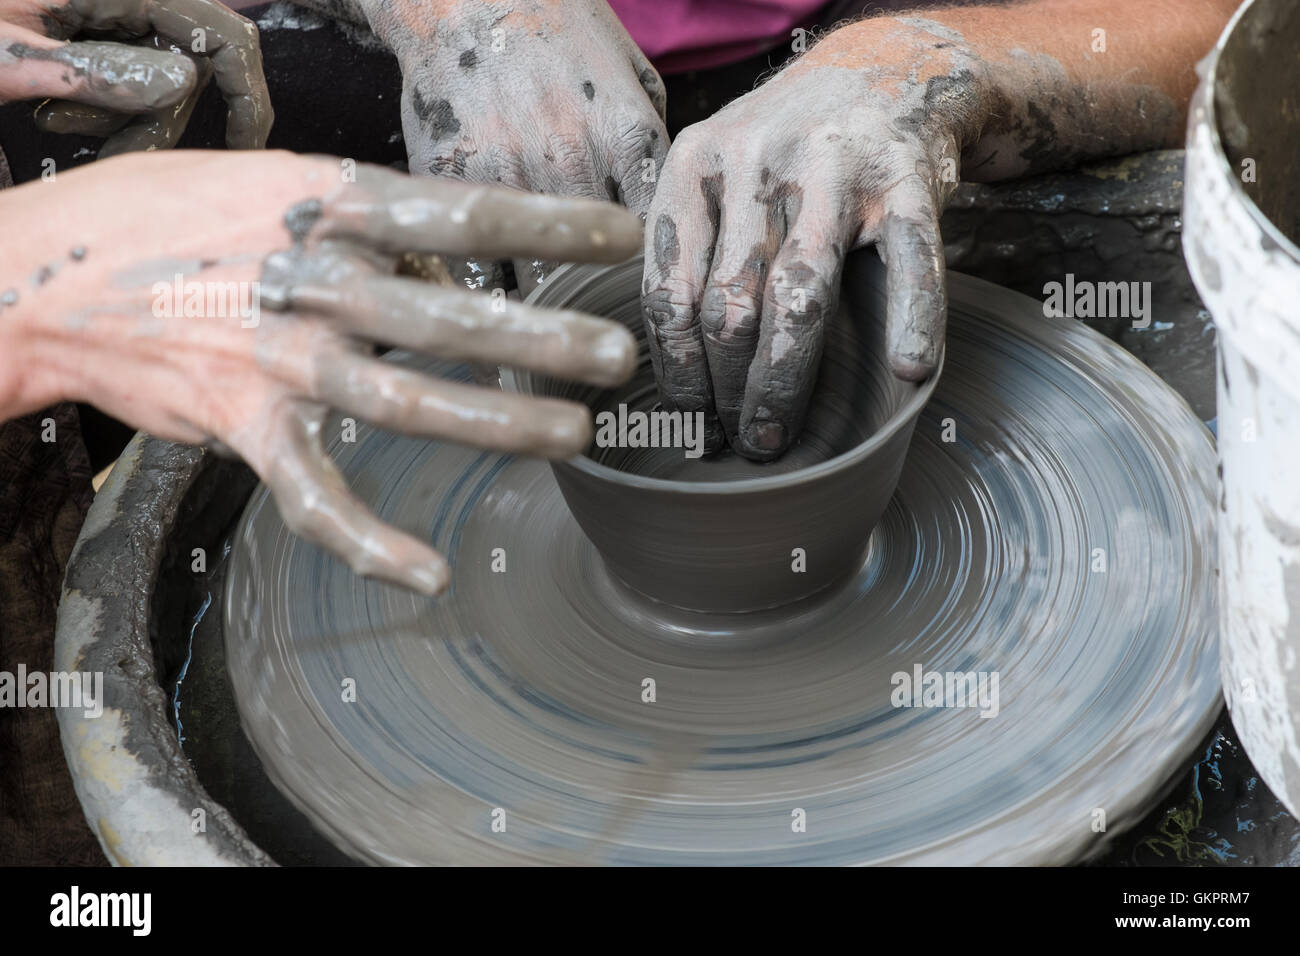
(539, 713)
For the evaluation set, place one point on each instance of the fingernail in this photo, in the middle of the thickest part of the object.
(713, 310)
(765, 436)
(569, 434)
(914, 364)
(624, 234)
(615, 356)
(429, 579)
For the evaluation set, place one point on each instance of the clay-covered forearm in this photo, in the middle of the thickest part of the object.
(1046, 83)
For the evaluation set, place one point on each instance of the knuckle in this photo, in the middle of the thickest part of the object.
(305, 513)
(669, 308)
(632, 132)
(801, 293)
(507, 166)
(650, 79)
(729, 312)
(565, 149)
(833, 133)
(633, 139)
(249, 37)
(754, 153)
(364, 560)
(691, 143)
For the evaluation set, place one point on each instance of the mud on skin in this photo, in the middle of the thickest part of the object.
(328, 294)
(858, 142)
(541, 96)
(547, 97)
(331, 272)
(146, 73)
(739, 286)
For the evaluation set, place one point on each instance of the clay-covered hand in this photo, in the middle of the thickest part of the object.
(132, 70)
(544, 95)
(244, 334)
(758, 205)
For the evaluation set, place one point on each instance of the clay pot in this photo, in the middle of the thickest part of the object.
(724, 534)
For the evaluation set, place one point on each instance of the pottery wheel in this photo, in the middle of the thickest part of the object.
(1064, 541)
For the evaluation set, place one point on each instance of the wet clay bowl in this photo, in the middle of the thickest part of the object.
(721, 533)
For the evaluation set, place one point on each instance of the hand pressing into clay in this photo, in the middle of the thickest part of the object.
(132, 70)
(244, 334)
(758, 205)
(861, 141)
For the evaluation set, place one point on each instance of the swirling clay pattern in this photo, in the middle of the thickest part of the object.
(1063, 540)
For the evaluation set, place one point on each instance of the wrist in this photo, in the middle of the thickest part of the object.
(21, 381)
(414, 25)
(918, 58)
(25, 384)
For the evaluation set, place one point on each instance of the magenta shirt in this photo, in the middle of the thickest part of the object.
(681, 35)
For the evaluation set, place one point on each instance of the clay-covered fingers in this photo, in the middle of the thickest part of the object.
(916, 284)
(468, 326)
(408, 402)
(209, 29)
(122, 132)
(394, 213)
(71, 117)
(317, 506)
(680, 234)
(231, 43)
(799, 297)
(750, 234)
(113, 76)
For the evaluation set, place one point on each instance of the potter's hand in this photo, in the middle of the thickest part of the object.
(132, 308)
(861, 141)
(138, 92)
(757, 207)
(548, 96)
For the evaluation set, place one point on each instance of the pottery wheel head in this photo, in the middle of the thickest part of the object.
(1028, 638)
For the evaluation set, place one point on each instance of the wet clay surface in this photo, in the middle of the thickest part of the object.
(722, 532)
(522, 691)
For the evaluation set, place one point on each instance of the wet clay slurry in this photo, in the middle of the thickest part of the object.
(520, 697)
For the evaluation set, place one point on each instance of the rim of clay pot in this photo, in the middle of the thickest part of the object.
(909, 411)
(1211, 84)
